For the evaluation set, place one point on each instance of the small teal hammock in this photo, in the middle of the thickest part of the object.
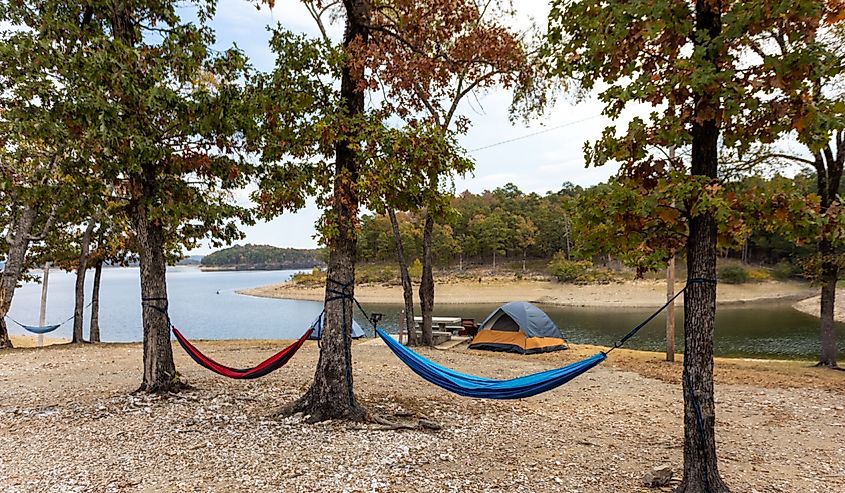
(515, 388)
(42, 329)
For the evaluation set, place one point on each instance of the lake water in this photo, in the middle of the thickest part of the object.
(204, 305)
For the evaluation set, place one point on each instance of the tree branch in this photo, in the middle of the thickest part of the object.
(47, 225)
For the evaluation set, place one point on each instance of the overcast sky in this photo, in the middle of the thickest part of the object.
(538, 163)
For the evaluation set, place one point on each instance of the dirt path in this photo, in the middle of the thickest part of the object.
(642, 293)
(69, 423)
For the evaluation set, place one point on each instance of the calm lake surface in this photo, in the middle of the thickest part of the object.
(204, 305)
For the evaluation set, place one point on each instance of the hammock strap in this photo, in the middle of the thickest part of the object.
(151, 302)
(638, 327)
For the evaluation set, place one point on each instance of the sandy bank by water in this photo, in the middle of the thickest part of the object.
(812, 306)
(642, 293)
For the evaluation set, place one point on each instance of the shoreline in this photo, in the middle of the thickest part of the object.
(812, 306)
(628, 294)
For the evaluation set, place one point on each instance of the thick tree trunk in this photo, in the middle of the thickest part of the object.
(94, 327)
(159, 370)
(19, 238)
(79, 291)
(407, 288)
(331, 396)
(701, 471)
(427, 283)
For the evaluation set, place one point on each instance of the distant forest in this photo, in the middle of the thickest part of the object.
(510, 224)
(262, 257)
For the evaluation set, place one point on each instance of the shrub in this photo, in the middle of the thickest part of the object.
(758, 275)
(315, 277)
(733, 274)
(564, 270)
(785, 270)
(415, 270)
(376, 274)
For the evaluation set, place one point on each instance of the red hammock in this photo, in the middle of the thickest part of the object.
(269, 365)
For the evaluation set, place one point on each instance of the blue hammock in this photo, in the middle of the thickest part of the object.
(488, 388)
(42, 329)
(39, 329)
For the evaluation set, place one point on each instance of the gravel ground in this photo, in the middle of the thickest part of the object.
(68, 422)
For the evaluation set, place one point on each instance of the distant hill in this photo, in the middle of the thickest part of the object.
(261, 257)
(191, 260)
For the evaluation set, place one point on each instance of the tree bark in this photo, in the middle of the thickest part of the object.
(701, 471)
(159, 370)
(331, 395)
(427, 283)
(19, 238)
(94, 327)
(830, 274)
(79, 291)
(670, 310)
(829, 166)
(407, 288)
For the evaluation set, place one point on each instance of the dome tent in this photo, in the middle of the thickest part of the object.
(317, 325)
(518, 327)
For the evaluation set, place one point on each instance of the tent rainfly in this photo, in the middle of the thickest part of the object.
(317, 325)
(518, 327)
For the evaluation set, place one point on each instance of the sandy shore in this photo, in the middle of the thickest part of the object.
(642, 293)
(32, 341)
(812, 306)
(69, 422)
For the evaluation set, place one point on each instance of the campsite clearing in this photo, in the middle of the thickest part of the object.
(599, 433)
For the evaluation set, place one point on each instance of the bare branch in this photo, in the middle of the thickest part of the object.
(47, 225)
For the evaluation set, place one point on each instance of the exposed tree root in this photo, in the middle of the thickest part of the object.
(406, 421)
(829, 366)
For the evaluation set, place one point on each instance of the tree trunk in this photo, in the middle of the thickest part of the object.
(159, 370)
(79, 292)
(407, 288)
(427, 283)
(670, 310)
(701, 471)
(94, 327)
(829, 350)
(494, 260)
(331, 396)
(19, 238)
(829, 165)
(42, 312)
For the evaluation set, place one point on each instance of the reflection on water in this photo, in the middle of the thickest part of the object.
(205, 306)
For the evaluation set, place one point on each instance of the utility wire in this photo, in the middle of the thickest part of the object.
(539, 132)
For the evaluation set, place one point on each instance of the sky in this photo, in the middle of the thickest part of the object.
(537, 163)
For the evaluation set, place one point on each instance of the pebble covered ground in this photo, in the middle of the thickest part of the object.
(69, 422)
